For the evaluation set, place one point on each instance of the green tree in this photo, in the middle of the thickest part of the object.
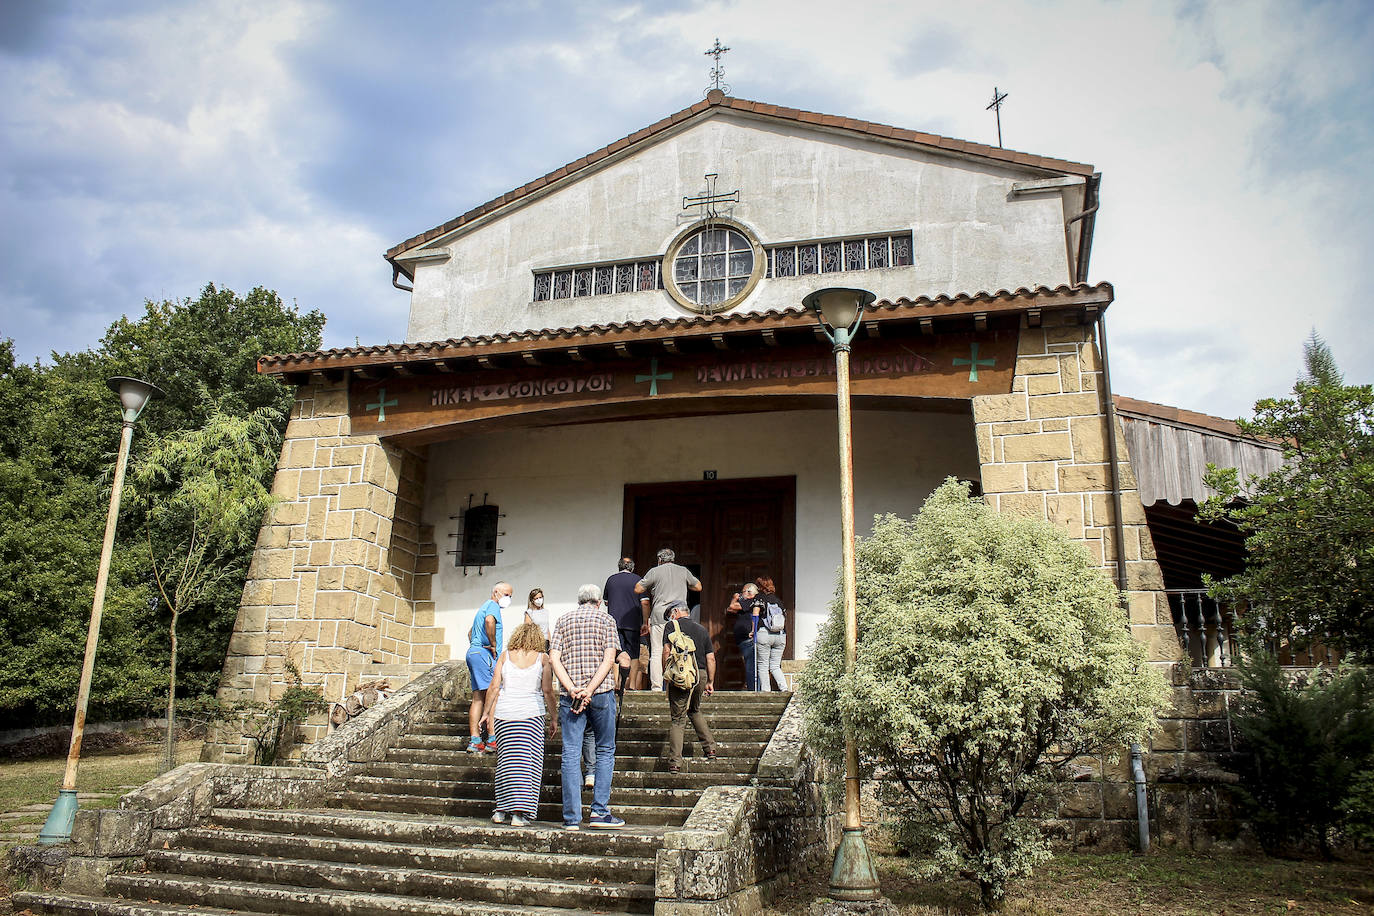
(59, 427)
(990, 655)
(203, 496)
(1309, 526)
(1306, 741)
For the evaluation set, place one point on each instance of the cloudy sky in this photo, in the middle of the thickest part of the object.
(149, 147)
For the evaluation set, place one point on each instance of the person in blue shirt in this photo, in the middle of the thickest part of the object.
(484, 645)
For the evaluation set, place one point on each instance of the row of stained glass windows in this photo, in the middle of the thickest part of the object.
(597, 281)
(843, 254)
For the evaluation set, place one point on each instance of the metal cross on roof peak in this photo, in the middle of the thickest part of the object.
(996, 104)
(717, 71)
(708, 200)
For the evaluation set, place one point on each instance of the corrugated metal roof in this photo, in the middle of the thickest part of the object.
(1170, 449)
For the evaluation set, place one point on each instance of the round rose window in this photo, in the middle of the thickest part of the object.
(713, 268)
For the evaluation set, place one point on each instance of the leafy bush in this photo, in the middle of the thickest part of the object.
(274, 728)
(1305, 742)
(990, 654)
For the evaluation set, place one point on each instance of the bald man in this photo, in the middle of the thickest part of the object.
(484, 645)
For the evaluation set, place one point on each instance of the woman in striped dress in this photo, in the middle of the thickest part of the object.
(524, 708)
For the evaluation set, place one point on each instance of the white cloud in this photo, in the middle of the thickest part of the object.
(248, 143)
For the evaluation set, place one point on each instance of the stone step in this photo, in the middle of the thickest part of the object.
(555, 748)
(481, 771)
(470, 859)
(639, 796)
(566, 891)
(304, 901)
(39, 902)
(753, 733)
(624, 763)
(632, 841)
(550, 812)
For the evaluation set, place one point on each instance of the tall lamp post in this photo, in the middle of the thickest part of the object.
(840, 311)
(134, 395)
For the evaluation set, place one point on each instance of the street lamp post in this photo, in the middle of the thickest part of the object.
(134, 395)
(840, 311)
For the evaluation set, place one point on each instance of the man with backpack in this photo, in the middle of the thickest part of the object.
(689, 673)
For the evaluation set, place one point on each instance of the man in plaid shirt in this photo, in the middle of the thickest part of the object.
(583, 649)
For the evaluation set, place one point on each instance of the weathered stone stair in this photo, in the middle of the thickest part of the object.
(411, 833)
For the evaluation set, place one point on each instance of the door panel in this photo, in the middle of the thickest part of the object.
(733, 530)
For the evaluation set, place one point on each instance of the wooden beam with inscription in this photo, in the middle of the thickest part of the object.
(944, 366)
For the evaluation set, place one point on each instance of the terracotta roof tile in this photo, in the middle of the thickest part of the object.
(1100, 294)
(716, 100)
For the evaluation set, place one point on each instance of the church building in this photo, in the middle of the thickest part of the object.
(615, 358)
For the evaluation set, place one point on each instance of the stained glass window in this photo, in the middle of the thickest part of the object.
(785, 262)
(713, 265)
(604, 281)
(562, 284)
(901, 251)
(624, 278)
(877, 253)
(808, 261)
(854, 255)
(543, 287)
(648, 275)
(582, 282)
(832, 258)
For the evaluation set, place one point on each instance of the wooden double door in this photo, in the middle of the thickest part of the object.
(727, 532)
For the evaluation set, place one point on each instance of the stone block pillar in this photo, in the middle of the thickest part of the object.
(1043, 451)
(340, 577)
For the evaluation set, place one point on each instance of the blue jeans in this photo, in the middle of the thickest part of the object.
(746, 651)
(600, 714)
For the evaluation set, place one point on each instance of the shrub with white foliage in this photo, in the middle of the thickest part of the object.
(990, 654)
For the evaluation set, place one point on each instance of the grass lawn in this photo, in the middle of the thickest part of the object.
(1164, 883)
(30, 782)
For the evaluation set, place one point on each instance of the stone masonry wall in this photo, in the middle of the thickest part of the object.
(340, 577)
(1043, 452)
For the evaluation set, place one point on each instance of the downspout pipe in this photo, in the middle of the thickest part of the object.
(1119, 529)
(396, 275)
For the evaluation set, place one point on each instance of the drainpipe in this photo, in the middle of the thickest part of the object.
(1142, 810)
(1137, 764)
(1091, 201)
(395, 275)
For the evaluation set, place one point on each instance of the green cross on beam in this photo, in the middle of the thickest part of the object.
(653, 378)
(381, 404)
(973, 362)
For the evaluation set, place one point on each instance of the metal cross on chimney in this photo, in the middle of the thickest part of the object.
(708, 201)
(996, 104)
(717, 72)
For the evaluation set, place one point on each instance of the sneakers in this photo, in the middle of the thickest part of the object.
(519, 820)
(606, 822)
(490, 746)
(500, 817)
(589, 780)
(475, 745)
(572, 827)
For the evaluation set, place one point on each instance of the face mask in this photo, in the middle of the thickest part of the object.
(504, 601)
(538, 602)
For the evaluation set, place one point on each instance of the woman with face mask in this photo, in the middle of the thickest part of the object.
(536, 613)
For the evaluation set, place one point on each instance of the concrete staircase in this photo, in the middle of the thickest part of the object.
(411, 833)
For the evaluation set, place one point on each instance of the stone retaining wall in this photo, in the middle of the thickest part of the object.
(741, 842)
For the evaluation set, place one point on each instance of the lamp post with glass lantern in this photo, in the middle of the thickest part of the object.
(134, 395)
(840, 311)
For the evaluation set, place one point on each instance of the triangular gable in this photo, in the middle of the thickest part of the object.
(718, 100)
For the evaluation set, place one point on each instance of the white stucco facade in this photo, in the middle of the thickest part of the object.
(970, 231)
(561, 490)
